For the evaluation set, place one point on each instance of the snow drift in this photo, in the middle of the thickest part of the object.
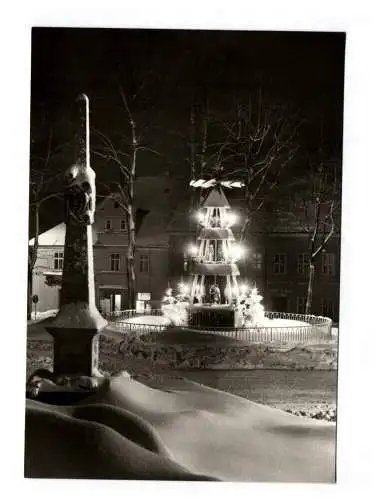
(180, 431)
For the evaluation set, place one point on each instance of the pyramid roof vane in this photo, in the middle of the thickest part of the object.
(218, 179)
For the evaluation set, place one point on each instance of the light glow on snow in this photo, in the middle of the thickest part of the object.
(165, 321)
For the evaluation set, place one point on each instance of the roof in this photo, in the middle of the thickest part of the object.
(52, 237)
(181, 219)
(152, 232)
(216, 198)
(155, 197)
(152, 191)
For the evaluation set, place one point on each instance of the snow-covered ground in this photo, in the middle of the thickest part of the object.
(280, 322)
(43, 315)
(147, 320)
(175, 430)
(163, 321)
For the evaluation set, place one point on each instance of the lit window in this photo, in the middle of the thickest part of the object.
(123, 225)
(328, 264)
(257, 260)
(115, 262)
(301, 305)
(302, 263)
(58, 261)
(327, 307)
(144, 263)
(279, 263)
(108, 224)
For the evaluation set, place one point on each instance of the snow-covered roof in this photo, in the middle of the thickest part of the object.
(52, 237)
(151, 233)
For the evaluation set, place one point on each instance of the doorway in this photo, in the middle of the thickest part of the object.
(110, 302)
(116, 302)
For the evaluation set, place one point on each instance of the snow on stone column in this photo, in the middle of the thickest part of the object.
(78, 323)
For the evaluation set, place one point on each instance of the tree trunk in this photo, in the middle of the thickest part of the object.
(130, 271)
(32, 258)
(30, 292)
(311, 279)
(192, 144)
(204, 142)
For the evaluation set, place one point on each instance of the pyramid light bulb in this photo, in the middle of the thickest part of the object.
(192, 250)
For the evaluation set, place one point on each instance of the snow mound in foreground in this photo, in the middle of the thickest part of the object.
(181, 430)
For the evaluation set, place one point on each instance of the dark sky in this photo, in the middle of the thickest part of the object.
(305, 70)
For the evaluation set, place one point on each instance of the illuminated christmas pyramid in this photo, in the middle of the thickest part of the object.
(214, 270)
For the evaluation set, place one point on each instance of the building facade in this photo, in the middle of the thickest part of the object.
(155, 200)
(276, 260)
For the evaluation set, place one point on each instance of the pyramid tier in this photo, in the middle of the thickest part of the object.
(215, 269)
(215, 233)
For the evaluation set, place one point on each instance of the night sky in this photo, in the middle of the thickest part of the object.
(304, 70)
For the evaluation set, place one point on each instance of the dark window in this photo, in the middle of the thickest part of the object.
(58, 261)
(123, 225)
(302, 263)
(279, 263)
(327, 264)
(108, 224)
(144, 263)
(115, 262)
(257, 260)
(116, 204)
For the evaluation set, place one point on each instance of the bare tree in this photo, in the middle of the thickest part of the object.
(253, 141)
(315, 209)
(122, 151)
(262, 140)
(44, 175)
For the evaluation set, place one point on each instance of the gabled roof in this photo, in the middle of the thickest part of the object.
(216, 198)
(155, 198)
(52, 237)
(152, 232)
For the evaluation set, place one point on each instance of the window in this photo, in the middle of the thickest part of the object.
(116, 204)
(302, 263)
(58, 261)
(115, 262)
(279, 263)
(257, 260)
(144, 263)
(327, 307)
(123, 225)
(301, 304)
(327, 264)
(108, 224)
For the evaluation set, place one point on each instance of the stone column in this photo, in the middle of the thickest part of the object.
(78, 323)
